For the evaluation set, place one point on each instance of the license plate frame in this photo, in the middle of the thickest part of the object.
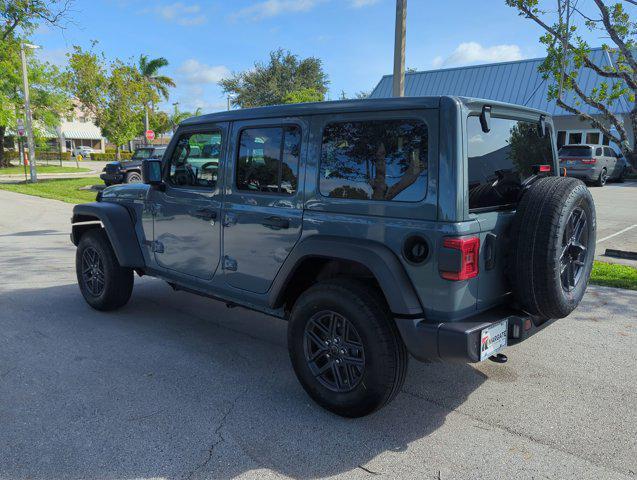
(493, 339)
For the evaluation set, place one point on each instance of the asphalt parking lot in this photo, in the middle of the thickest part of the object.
(179, 387)
(616, 219)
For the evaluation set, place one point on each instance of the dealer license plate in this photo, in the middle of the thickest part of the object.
(493, 339)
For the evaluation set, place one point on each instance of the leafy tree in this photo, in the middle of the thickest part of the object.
(48, 100)
(568, 53)
(304, 95)
(115, 95)
(25, 15)
(158, 84)
(270, 84)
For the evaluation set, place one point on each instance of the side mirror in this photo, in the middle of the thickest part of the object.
(485, 119)
(151, 171)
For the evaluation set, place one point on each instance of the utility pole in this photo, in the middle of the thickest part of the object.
(27, 111)
(399, 49)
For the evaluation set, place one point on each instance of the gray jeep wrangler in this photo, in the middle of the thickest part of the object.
(435, 227)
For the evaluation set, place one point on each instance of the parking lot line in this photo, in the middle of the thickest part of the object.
(617, 233)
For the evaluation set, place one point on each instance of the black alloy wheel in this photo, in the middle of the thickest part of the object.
(93, 271)
(574, 249)
(334, 351)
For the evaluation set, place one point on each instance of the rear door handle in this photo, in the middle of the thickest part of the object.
(205, 214)
(276, 223)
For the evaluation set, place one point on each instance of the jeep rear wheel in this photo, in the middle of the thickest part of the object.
(105, 285)
(345, 348)
(553, 237)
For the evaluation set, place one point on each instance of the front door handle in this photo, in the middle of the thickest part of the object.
(276, 223)
(205, 214)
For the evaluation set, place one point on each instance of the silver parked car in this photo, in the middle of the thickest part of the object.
(593, 163)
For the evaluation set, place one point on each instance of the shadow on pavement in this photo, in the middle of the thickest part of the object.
(177, 386)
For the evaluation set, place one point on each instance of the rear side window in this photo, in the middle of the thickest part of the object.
(576, 151)
(598, 152)
(608, 152)
(375, 160)
(500, 160)
(268, 160)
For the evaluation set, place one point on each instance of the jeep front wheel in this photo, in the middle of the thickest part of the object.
(105, 285)
(345, 348)
(133, 177)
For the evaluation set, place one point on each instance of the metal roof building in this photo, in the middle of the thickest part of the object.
(517, 82)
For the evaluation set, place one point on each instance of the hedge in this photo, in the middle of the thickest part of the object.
(12, 155)
(110, 156)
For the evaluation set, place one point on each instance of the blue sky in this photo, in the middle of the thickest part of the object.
(206, 39)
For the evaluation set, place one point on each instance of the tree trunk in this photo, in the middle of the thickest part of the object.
(3, 163)
(118, 155)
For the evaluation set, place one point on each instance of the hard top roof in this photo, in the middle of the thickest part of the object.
(340, 106)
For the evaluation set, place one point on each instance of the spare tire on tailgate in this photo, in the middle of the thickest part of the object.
(553, 240)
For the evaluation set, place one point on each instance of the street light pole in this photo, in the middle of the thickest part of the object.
(399, 49)
(27, 111)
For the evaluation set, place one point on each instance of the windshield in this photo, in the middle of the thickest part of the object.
(501, 159)
(142, 153)
(576, 151)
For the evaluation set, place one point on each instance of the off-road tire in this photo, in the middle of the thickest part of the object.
(602, 179)
(539, 235)
(117, 280)
(385, 355)
(134, 177)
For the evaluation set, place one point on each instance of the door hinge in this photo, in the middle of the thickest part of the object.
(155, 247)
(229, 263)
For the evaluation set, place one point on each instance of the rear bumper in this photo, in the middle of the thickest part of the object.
(588, 174)
(460, 341)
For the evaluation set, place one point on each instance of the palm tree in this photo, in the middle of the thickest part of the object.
(178, 116)
(148, 69)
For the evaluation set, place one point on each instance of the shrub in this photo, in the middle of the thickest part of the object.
(110, 156)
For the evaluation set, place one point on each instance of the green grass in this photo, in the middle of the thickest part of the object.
(66, 190)
(614, 275)
(19, 170)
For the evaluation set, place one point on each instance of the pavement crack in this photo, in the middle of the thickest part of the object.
(371, 472)
(514, 432)
(144, 417)
(219, 438)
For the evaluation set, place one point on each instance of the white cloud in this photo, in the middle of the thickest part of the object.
(179, 13)
(472, 52)
(195, 72)
(363, 3)
(273, 8)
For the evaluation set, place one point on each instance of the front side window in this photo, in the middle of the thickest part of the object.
(268, 159)
(500, 160)
(375, 160)
(195, 161)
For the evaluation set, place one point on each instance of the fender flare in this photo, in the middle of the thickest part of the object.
(378, 258)
(119, 226)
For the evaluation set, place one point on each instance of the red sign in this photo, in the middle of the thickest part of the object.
(150, 135)
(20, 127)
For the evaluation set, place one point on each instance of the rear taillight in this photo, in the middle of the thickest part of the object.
(469, 249)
